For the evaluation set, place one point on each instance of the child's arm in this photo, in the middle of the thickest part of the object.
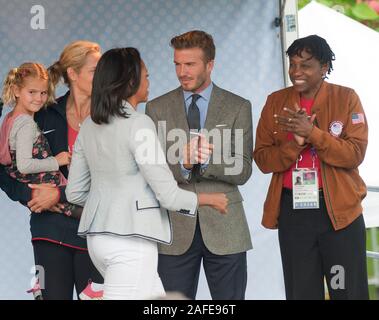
(24, 132)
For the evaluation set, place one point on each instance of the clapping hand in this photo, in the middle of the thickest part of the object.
(297, 122)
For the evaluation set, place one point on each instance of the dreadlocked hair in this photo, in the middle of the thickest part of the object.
(316, 46)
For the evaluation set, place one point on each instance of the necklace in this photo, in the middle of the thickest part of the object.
(76, 114)
(78, 117)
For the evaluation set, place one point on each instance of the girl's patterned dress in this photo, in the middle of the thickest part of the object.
(41, 150)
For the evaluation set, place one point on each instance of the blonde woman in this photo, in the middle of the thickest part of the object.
(57, 248)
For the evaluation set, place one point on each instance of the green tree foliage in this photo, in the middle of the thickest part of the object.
(366, 12)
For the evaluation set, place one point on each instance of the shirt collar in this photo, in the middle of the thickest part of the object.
(128, 106)
(205, 94)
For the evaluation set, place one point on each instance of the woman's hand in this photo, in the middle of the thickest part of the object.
(298, 123)
(220, 202)
(44, 197)
(63, 158)
(216, 200)
(58, 208)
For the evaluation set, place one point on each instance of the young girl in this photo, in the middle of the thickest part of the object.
(24, 150)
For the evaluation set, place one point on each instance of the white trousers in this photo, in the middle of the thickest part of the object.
(129, 266)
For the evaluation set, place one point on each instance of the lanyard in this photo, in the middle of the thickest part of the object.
(314, 155)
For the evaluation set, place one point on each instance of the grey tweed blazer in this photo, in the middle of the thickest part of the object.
(227, 112)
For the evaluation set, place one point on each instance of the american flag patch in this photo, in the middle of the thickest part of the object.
(357, 118)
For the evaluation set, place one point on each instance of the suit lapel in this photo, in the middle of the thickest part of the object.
(178, 114)
(216, 108)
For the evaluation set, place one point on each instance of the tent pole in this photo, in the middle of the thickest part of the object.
(289, 31)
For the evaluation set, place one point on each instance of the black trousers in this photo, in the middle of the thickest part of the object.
(311, 250)
(226, 274)
(63, 268)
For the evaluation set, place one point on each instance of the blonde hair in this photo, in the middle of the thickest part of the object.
(17, 76)
(73, 55)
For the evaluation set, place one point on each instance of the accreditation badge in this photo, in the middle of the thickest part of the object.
(305, 188)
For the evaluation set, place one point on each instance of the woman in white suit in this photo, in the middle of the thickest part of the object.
(120, 175)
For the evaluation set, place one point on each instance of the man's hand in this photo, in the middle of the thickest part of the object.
(44, 196)
(198, 150)
(189, 153)
(204, 150)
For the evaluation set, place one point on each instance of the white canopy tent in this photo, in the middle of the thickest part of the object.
(357, 66)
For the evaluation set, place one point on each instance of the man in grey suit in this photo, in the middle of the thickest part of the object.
(198, 105)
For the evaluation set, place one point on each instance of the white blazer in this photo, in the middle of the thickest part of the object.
(120, 175)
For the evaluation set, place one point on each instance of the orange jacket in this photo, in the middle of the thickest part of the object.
(339, 156)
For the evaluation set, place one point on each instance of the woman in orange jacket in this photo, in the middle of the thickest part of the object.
(316, 131)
